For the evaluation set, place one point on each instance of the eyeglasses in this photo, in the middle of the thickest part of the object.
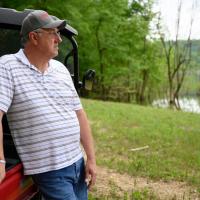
(52, 33)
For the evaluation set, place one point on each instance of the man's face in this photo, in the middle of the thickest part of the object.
(48, 41)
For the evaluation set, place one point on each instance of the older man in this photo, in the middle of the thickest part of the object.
(44, 112)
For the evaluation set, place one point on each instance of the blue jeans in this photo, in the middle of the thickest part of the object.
(63, 184)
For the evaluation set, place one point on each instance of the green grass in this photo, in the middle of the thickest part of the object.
(114, 194)
(135, 195)
(173, 138)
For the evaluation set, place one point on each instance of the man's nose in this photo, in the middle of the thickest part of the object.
(58, 39)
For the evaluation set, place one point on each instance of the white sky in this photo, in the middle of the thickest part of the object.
(169, 10)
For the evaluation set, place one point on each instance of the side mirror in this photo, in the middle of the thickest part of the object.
(88, 79)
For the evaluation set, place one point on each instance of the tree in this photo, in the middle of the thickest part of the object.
(178, 57)
(142, 49)
(113, 40)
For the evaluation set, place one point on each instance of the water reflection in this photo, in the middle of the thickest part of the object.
(186, 104)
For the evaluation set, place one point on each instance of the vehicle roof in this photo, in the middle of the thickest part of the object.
(13, 18)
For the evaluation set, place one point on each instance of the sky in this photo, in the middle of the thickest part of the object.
(169, 9)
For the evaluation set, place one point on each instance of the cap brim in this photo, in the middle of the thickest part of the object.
(60, 24)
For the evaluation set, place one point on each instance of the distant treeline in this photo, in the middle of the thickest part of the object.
(115, 39)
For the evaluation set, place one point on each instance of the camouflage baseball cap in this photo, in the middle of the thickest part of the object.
(40, 19)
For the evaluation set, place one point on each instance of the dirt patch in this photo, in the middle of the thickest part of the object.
(108, 180)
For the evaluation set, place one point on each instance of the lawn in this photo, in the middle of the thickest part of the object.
(173, 138)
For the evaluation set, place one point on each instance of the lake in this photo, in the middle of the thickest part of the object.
(186, 104)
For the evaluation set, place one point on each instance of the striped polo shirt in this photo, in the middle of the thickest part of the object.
(41, 113)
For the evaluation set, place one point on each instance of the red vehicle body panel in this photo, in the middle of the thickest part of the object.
(16, 186)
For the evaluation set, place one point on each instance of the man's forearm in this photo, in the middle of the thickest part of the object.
(2, 163)
(1, 138)
(86, 135)
(87, 142)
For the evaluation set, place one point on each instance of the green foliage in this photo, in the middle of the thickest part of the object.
(114, 40)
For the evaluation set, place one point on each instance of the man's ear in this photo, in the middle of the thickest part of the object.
(33, 37)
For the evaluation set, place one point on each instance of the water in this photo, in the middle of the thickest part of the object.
(186, 104)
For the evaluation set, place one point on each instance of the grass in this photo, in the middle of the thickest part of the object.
(116, 194)
(135, 195)
(173, 138)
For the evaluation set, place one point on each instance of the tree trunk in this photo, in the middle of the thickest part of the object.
(145, 76)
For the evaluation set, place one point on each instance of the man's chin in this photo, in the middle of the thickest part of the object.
(55, 54)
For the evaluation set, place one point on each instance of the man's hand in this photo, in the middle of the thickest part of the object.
(2, 172)
(90, 173)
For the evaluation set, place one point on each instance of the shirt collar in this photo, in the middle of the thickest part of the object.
(20, 55)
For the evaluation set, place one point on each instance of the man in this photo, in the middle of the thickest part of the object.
(44, 112)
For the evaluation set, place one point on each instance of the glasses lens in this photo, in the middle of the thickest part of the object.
(54, 33)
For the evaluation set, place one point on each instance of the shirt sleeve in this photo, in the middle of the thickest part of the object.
(75, 103)
(6, 87)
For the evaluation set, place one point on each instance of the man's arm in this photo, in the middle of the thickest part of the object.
(2, 165)
(87, 142)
